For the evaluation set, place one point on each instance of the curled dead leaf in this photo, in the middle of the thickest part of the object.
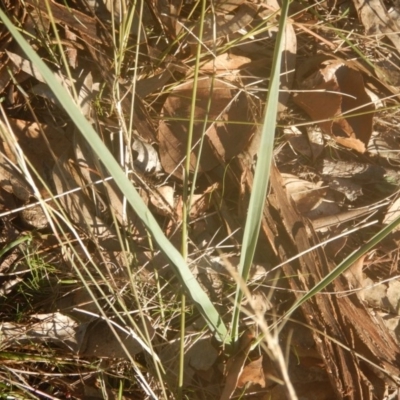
(252, 373)
(336, 98)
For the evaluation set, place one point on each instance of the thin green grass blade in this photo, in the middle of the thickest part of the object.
(15, 243)
(261, 176)
(199, 297)
(186, 202)
(344, 265)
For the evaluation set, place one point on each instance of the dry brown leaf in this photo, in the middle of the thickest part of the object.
(225, 62)
(334, 91)
(252, 373)
(222, 139)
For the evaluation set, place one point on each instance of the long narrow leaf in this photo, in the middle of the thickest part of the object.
(199, 297)
(261, 175)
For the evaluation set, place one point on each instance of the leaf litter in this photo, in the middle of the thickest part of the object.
(334, 150)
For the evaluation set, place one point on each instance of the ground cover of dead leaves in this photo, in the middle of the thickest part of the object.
(336, 174)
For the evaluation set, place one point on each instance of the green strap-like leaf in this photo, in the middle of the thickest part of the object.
(261, 175)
